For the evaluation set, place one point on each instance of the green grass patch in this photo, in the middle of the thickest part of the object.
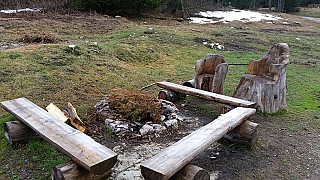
(44, 154)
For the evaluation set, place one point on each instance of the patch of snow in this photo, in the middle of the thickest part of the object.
(234, 15)
(12, 11)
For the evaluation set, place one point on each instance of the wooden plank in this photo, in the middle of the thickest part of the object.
(172, 159)
(206, 95)
(82, 149)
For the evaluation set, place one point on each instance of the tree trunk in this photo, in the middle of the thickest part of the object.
(72, 171)
(16, 132)
(270, 5)
(191, 172)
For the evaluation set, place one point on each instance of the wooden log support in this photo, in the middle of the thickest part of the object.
(82, 149)
(191, 172)
(72, 171)
(246, 134)
(170, 95)
(206, 95)
(175, 157)
(16, 132)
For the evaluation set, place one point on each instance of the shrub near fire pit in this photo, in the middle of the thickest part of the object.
(135, 105)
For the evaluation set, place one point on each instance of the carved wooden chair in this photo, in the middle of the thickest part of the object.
(265, 82)
(210, 73)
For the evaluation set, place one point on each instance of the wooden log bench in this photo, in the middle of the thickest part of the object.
(206, 95)
(81, 148)
(175, 157)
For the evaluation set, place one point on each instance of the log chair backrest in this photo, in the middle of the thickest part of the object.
(273, 64)
(209, 64)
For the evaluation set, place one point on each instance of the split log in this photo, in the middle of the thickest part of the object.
(74, 118)
(189, 83)
(72, 171)
(57, 113)
(81, 148)
(170, 95)
(205, 94)
(246, 134)
(265, 82)
(210, 73)
(175, 157)
(191, 172)
(16, 132)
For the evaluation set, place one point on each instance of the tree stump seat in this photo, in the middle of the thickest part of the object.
(210, 73)
(265, 82)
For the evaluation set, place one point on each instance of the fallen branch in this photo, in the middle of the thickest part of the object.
(147, 86)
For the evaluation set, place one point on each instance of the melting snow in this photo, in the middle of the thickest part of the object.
(234, 15)
(11, 11)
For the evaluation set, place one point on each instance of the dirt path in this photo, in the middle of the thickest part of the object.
(311, 18)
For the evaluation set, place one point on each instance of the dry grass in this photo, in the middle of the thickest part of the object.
(135, 104)
(44, 38)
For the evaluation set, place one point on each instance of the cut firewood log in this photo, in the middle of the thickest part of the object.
(191, 172)
(57, 113)
(16, 132)
(73, 114)
(74, 118)
(72, 171)
(170, 95)
(246, 134)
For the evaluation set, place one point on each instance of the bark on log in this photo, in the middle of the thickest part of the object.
(191, 172)
(16, 132)
(265, 82)
(72, 171)
(246, 134)
(210, 73)
(170, 95)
